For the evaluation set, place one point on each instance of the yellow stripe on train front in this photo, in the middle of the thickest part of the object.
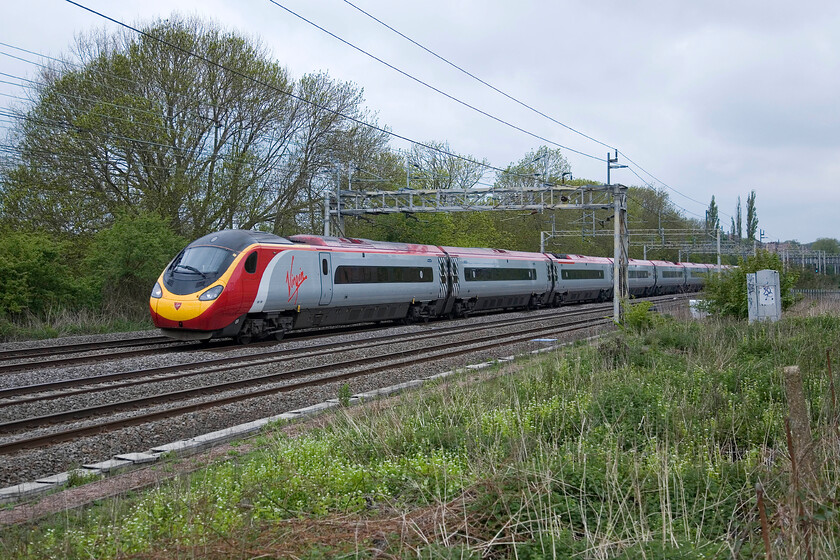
(181, 308)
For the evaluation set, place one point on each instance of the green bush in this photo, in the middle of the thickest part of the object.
(36, 274)
(126, 259)
(727, 294)
(638, 317)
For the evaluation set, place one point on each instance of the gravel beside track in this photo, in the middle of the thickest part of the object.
(32, 464)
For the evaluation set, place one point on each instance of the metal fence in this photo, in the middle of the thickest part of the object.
(828, 295)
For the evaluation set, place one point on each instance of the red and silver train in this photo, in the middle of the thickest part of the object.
(252, 285)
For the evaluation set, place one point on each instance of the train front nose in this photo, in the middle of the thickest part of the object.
(172, 311)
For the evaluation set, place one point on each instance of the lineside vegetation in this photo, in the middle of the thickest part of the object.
(131, 134)
(649, 443)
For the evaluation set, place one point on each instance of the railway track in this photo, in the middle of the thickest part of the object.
(70, 348)
(216, 395)
(65, 354)
(396, 356)
(526, 328)
(45, 356)
(96, 383)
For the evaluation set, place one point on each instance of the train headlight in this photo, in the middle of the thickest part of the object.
(211, 294)
(157, 292)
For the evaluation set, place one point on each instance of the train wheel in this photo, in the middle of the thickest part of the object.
(243, 339)
(278, 336)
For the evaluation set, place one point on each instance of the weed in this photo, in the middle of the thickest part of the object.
(638, 317)
(648, 445)
(80, 477)
(344, 394)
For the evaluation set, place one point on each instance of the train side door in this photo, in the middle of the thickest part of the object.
(456, 286)
(443, 278)
(326, 278)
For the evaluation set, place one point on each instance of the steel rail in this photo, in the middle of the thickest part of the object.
(163, 343)
(269, 358)
(57, 349)
(153, 375)
(185, 370)
(362, 365)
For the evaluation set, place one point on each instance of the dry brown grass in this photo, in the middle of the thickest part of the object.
(814, 308)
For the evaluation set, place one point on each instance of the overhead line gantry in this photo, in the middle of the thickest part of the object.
(487, 199)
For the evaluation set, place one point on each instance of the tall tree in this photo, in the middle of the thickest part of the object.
(543, 165)
(752, 217)
(739, 232)
(827, 244)
(712, 218)
(435, 168)
(141, 124)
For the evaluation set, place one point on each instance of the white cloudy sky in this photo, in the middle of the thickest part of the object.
(712, 97)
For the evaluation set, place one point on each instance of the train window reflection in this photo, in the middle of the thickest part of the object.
(203, 260)
(381, 274)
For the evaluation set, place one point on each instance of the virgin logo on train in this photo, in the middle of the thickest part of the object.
(294, 281)
(177, 305)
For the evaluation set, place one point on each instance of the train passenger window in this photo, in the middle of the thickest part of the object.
(251, 263)
(325, 266)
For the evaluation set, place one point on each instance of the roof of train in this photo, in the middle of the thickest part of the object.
(364, 244)
(568, 258)
(239, 239)
(492, 253)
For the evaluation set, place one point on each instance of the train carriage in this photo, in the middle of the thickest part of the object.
(208, 287)
(670, 277)
(696, 274)
(582, 278)
(487, 279)
(365, 280)
(641, 278)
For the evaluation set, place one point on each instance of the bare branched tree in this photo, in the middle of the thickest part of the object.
(188, 121)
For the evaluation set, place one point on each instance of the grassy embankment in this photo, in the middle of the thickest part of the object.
(58, 321)
(649, 444)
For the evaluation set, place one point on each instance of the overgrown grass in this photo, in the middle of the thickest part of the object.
(648, 444)
(61, 321)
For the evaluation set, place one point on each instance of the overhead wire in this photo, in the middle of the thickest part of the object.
(88, 68)
(518, 101)
(285, 92)
(358, 121)
(473, 76)
(67, 125)
(433, 88)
